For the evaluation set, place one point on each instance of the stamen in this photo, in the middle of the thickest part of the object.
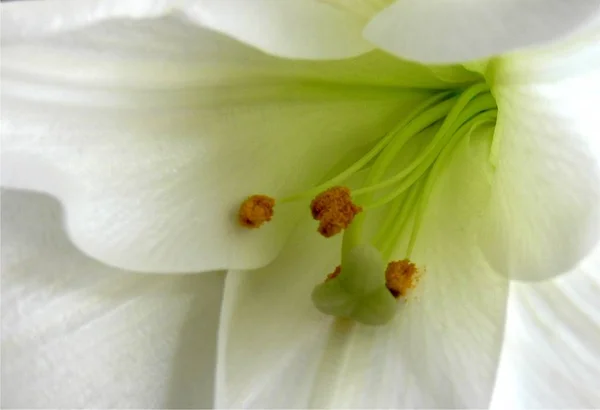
(400, 277)
(362, 287)
(334, 210)
(255, 211)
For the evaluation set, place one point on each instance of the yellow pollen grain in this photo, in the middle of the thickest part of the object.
(334, 210)
(255, 211)
(335, 273)
(400, 277)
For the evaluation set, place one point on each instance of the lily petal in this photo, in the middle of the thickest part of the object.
(79, 334)
(22, 20)
(441, 349)
(151, 148)
(544, 212)
(308, 29)
(551, 359)
(444, 31)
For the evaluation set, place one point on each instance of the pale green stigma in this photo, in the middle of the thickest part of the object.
(359, 291)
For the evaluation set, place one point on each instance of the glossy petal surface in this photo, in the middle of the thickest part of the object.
(76, 333)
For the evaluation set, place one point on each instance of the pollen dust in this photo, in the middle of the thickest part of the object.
(255, 211)
(334, 210)
(400, 277)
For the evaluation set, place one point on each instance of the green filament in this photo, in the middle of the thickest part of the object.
(407, 211)
(443, 160)
(423, 112)
(420, 165)
(447, 129)
(359, 291)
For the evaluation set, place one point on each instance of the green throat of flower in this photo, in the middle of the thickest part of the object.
(367, 284)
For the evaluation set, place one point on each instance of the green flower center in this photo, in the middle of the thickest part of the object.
(362, 287)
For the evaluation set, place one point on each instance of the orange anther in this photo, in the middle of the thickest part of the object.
(335, 273)
(256, 210)
(334, 210)
(400, 277)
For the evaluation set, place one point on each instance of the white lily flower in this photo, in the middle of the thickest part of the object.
(152, 124)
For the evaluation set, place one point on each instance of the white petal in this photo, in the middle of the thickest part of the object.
(151, 147)
(23, 19)
(442, 31)
(291, 28)
(308, 29)
(544, 211)
(441, 349)
(78, 334)
(552, 354)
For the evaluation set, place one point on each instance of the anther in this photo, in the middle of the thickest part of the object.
(335, 273)
(334, 210)
(256, 210)
(400, 277)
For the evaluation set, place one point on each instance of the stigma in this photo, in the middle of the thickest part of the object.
(400, 277)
